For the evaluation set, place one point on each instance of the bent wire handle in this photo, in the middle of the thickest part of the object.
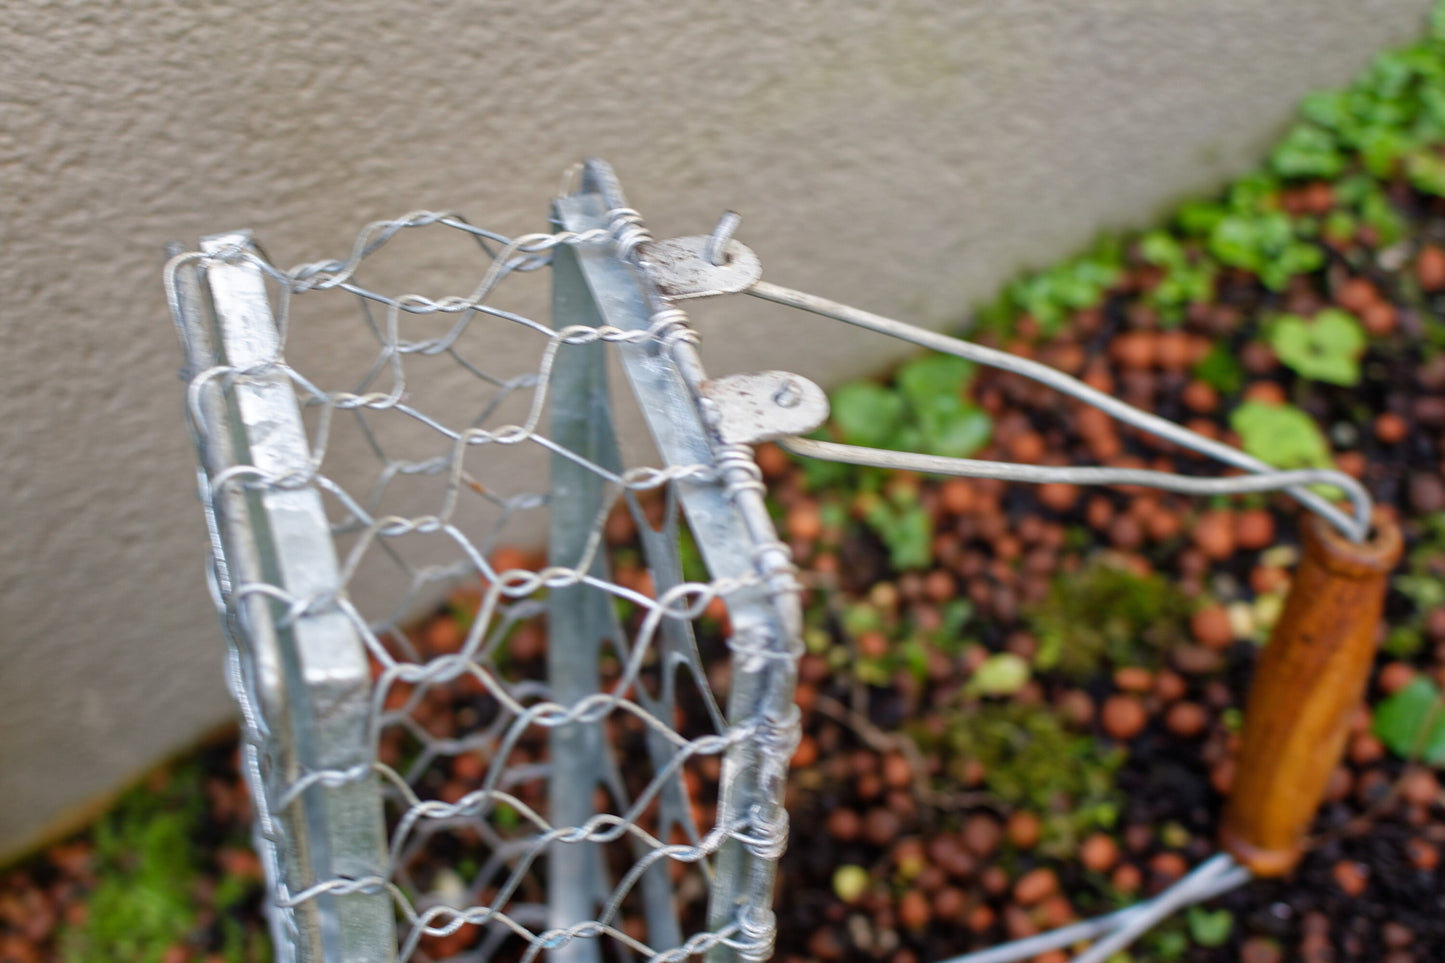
(1355, 528)
(1309, 677)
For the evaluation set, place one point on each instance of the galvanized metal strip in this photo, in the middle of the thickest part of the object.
(578, 616)
(340, 832)
(260, 690)
(743, 879)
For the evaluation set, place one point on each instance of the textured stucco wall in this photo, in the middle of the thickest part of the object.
(903, 156)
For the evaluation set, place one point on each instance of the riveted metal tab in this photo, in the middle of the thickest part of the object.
(765, 405)
(680, 268)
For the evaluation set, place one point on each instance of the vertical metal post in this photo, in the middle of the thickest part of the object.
(315, 659)
(729, 532)
(577, 616)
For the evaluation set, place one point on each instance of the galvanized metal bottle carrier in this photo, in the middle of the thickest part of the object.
(593, 799)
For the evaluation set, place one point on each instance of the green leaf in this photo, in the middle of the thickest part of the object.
(1411, 722)
(1001, 674)
(954, 428)
(1209, 927)
(925, 378)
(1308, 151)
(1282, 435)
(1197, 218)
(1161, 249)
(1221, 369)
(1327, 348)
(907, 530)
(1426, 171)
(867, 414)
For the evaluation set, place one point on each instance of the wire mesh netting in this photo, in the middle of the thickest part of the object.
(594, 768)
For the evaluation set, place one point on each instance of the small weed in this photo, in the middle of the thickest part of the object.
(1105, 614)
(1031, 760)
(1282, 435)
(1411, 723)
(1189, 275)
(1221, 370)
(1326, 348)
(904, 526)
(147, 869)
(1050, 296)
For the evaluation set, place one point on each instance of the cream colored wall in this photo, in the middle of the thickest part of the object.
(903, 156)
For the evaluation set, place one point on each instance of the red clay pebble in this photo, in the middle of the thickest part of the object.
(981, 918)
(1200, 397)
(1253, 529)
(1023, 829)
(939, 586)
(958, 496)
(804, 521)
(1419, 787)
(1390, 428)
(1134, 349)
(1426, 492)
(1214, 534)
(1266, 393)
(1430, 268)
(1221, 777)
(1210, 627)
(1260, 949)
(994, 880)
(1035, 886)
(1169, 685)
(1338, 787)
(981, 835)
(1126, 533)
(1379, 319)
(1423, 854)
(1077, 706)
(1017, 922)
(1168, 866)
(1365, 749)
(1394, 676)
(1124, 717)
(1163, 525)
(950, 905)
(1186, 719)
(1357, 294)
(1099, 853)
(844, 824)
(1351, 877)
(1172, 350)
(826, 945)
(1027, 448)
(1134, 678)
(1258, 358)
(881, 826)
(1058, 496)
(897, 773)
(1099, 513)
(1127, 879)
(1395, 935)
(913, 910)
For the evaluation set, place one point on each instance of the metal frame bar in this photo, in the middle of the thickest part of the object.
(306, 663)
(736, 538)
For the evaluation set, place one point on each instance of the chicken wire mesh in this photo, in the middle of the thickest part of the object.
(596, 768)
(563, 776)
